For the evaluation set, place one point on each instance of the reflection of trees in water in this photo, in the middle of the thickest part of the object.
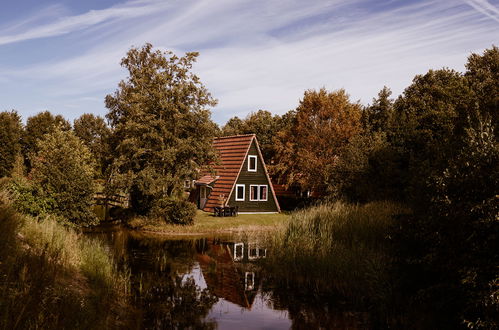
(169, 302)
(309, 310)
(162, 297)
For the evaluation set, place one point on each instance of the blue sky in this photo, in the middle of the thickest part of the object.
(64, 56)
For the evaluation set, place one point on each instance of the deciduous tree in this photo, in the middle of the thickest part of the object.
(36, 127)
(429, 124)
(10, 141)
(162, 131)
(94, 133)
(309, 150)
(234, 126)
(483, 74)
(379, 113)
(64, 168)
(263, 124)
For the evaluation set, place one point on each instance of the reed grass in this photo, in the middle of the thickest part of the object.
(54, 277)
(338, 249)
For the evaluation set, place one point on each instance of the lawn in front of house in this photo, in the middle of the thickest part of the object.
(206, 223)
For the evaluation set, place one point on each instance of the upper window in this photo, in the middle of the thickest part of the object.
(239, 192)
(252, 163)
(258, 193)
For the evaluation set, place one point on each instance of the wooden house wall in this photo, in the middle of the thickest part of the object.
(248, 178)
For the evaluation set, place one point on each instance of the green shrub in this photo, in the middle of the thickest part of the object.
(28, 198)
(64, 169)
(175, 211)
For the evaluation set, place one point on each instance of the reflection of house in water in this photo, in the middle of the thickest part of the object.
(228, 269)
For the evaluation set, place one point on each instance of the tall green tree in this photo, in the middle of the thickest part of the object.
(36, 127)
(263, 124)
(162, 130)
(64, 168)
(95, 134)
(10, 141)
(234, 126)
(429, 123)
(379, 113)
(450, 242)
(483, 75)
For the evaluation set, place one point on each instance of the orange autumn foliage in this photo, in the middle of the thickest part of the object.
(309, 149)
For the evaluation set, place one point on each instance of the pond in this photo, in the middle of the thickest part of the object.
(216, 282)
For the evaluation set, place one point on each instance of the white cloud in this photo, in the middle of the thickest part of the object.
(68, 24)
(486, 8)
(264, 54)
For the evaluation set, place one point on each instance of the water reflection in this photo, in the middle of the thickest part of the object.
(216, 283)
(228, 271)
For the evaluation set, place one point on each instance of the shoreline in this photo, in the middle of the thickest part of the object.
(204, 224)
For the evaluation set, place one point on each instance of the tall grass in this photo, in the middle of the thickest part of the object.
(338, 249)
(53, 277)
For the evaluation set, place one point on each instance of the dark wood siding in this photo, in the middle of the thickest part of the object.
(248, 178)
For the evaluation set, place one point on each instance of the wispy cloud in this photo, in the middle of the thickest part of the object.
(258, 53)
(486, 8)
(68, 24)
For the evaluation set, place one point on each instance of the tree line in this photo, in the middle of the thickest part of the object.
(434, 148)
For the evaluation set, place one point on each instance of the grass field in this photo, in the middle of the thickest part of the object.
(206, 223)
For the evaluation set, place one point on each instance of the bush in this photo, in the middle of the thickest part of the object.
(28, 197)
(64, 169)
(175, 211)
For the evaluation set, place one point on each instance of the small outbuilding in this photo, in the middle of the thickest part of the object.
(240, 178)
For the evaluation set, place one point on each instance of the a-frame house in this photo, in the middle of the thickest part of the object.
(240, 178)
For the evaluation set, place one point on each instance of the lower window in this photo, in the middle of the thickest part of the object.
(258, 193)
(239, 192)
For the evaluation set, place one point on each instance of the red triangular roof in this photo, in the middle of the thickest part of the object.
(232, 151)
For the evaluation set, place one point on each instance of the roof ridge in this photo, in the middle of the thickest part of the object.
(233, 136)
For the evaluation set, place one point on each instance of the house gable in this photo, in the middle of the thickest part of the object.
(236, 167)
(257, 178)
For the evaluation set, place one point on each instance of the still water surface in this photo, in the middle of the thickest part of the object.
(215, 282)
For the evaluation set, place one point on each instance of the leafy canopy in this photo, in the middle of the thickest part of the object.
(36, 127)
(10, 141)
(308, 150)
(263, 124)
(64, 168)
(162, 131)
(94, 133)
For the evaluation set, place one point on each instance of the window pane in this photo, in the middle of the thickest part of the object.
(263, 192)
(252, 161)
(254, 192)
(240, 192)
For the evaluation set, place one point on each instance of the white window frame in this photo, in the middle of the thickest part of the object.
(258, 197)
(244, 192)
(249, 163)
(266, 193)
(236, 256)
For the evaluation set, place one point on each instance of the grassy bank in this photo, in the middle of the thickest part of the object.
(206, 223)
(337, 250)
(53, 277)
